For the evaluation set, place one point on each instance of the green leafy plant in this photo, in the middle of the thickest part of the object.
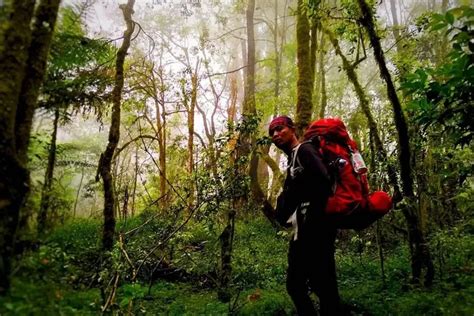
(443, 95)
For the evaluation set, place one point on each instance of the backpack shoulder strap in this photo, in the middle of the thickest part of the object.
(295, 164)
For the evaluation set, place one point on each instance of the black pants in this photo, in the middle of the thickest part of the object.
(311, 267)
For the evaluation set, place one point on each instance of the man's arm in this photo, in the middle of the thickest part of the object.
(285, 204)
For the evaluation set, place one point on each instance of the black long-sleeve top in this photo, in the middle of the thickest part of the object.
(307, 187)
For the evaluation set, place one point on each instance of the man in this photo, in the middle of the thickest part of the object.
(311, 265)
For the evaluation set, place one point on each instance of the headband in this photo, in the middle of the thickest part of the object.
(280, 120)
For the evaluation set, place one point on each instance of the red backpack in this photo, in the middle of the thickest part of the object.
(351, 205)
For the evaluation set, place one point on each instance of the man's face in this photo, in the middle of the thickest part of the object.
(282, 136)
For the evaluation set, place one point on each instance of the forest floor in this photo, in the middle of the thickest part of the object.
(64, 275)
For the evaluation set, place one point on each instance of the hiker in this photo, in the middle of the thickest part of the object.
(311, 265)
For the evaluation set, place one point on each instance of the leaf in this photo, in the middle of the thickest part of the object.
(438, 26)
(437, 17)
(9, 306)
(449, 17)
(456, 11)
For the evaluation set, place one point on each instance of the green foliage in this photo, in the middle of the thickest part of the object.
(77, 236)
(180, 299)
(61, 277)
(272, 301)
(46, 297)
(443, 95)
(79, 68)
(259, 257)
(365, 291)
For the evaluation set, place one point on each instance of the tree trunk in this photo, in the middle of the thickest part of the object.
(243, 150)
(399, 118)
(159, 98)
(16, 67)
(105, 163)
(226, 239)
(77, 193)
(43, 27)
(420, 254)
(276, 87)
(249, 97)
(13, 175)
(364, 104)
(313, 46)
(125, 203)
(278, 177)
(161, 122)
(249, 109)
(304, 104)
(322, 76)
(194, 88)
(135, 179)
(48, 179)
(279, 29)
(395, 25)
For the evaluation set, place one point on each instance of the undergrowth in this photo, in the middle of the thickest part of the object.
(65, 274)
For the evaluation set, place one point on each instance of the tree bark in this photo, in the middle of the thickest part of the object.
(105, 163)
(17, 65)
(322, 76)
(249, 108)
(420, 253)
(245, 141)
(400, 122)
(43, 27)
(226, 239)
(159, 98)
(304, 104)
(135, 179)
(194, 88)
(48, 179)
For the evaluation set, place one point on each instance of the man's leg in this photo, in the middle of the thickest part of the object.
(296, 280)
(323, 278)
(326, 288)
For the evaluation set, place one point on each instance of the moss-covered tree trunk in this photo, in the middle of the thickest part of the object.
(248, 141)
(158, 95)
(364, 104)
(304, 102)
(243, 150)
(43, 27)
(321, 85)
(13, 175)
(105, 163)
(48, 178)
(249, 103)
(21, 75)
(420, 253)
(161, 126)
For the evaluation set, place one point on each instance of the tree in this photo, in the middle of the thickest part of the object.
(105, 162)
(23, 55)
(350, 69)
(304, 102)
(76, 80)
(420, 253)
(243, 150)
(442, 95)
(48, 177)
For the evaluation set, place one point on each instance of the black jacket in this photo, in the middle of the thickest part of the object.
(307, 188)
